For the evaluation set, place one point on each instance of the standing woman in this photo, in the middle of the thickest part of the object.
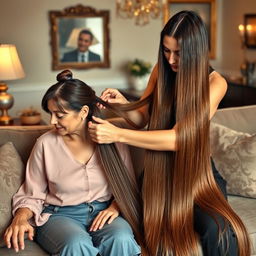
(182, 198)
(75, 189)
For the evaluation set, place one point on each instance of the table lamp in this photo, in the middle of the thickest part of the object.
(10, 69)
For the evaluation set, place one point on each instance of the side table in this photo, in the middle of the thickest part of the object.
(16, 123)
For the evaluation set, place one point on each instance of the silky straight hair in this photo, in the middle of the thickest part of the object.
(174, 182)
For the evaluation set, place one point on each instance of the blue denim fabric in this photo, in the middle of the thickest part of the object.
(66, 233)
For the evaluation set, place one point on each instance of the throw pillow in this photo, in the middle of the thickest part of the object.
(11, 177)
(234, 155)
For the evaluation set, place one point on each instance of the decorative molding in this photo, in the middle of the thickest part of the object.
(80, 9)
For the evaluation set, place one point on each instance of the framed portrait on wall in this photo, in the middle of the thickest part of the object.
(79, 38)
(206, 9)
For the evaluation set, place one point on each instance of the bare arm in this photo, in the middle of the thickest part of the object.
(218, 89)
(104, 132)
(14, 234)
(138, 116)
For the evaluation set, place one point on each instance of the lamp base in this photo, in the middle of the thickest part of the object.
(6, 102)
(6, 120)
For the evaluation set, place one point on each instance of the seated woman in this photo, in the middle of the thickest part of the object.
(71, 182)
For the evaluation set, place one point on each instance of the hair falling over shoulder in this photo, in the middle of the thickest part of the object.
(175, 181)
(124, 186)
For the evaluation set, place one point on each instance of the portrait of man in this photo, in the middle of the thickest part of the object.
(79, 38)
(82, 53)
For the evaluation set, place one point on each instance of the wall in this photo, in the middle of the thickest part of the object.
(233, 14)
(26, 24)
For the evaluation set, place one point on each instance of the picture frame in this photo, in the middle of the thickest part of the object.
(205, 8)
(72, 46)
(250, 30)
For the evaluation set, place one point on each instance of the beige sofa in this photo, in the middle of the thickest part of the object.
(241, 119)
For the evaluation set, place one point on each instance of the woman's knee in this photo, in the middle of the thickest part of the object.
(79, 244)
(212, 228)
(207, 225)
(116, 239)
(122, 237)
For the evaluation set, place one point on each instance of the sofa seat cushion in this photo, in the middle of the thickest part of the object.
(31, 249)
(246, 209)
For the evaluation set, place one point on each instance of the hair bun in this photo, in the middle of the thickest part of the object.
(64, 75)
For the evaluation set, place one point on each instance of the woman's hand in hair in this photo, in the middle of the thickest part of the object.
(112, 96)
(102, 131)
(105, 216)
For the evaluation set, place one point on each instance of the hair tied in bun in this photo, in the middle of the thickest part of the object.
(64, 76)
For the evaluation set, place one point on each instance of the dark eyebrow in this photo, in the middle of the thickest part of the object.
(59, 112)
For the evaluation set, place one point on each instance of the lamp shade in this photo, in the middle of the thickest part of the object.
(10, 66)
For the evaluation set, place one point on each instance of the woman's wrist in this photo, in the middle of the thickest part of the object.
(24, 213)
(115, 205)
(121, 135)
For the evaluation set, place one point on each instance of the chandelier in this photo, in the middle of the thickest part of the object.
(141, 10)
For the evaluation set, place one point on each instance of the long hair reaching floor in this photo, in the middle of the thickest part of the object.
(175, 181)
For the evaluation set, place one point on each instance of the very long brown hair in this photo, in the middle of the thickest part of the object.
(175, 181)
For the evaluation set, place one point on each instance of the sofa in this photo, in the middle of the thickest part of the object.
(16, 143)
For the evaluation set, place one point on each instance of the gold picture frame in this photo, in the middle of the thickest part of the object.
(66, 26)
(205, 8)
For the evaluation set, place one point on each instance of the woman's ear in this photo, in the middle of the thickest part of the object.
(84, 112)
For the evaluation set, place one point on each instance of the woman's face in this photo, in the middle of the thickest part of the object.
(67, 123)
(172, 52)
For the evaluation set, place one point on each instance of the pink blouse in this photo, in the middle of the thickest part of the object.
(54, 177)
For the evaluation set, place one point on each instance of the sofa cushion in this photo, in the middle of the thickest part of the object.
(234, 155)
(238, 118)
(11, 177)
(246, 209)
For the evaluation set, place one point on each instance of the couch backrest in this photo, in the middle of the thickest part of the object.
(238, 118)
(242, 119)
(23, 138)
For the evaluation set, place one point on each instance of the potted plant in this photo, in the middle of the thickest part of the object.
(139, 71)
(30, 116)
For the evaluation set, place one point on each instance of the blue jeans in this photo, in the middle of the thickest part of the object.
(67, 232)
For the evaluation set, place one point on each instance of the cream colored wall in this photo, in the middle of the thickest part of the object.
(232, 16)
(29, 28)
(25, 23)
